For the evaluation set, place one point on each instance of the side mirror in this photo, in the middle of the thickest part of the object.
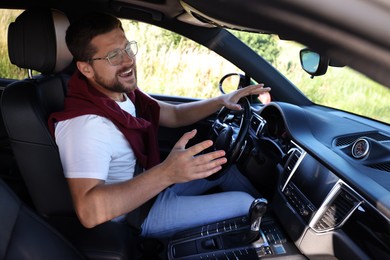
(233, 81)
(313, 63)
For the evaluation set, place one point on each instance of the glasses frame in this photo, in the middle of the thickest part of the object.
(121, 53)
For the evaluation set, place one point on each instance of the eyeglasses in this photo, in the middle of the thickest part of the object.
(115, 58)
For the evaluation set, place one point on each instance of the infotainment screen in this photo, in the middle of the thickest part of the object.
(313, 180)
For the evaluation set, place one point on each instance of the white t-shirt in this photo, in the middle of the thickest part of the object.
(92, 146)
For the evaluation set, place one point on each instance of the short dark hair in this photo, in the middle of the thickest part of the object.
(81, 32)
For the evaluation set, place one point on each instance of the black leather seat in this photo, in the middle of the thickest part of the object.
(24, 235)
(36, 41)
(26, 105)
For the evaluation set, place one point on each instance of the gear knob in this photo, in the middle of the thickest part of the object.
(256, 212)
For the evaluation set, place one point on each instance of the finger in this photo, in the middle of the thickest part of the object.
(250, 90)
(203, 171)
(255, 86)
(206, 166)
(204, 159)
(208, 173)
(183, 141)
(255, 89)
(242, 92)
(199, 147)
(231, 101)
(264, 90)
(234, 106)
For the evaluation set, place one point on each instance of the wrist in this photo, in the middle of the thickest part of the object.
(163, 175)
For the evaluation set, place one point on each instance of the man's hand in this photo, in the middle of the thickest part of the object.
(230, 100)
(186, 164)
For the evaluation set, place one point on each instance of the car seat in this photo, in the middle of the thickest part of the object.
(36, 41)
(24, 235)
(32, 44)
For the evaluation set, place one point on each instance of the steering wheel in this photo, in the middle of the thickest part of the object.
(228, 133)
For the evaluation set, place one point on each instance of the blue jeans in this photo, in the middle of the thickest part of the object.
(183, 206)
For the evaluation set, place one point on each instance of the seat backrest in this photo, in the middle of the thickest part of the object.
(24, 235)
(36, 41)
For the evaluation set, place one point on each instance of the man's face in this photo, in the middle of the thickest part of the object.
(109, 79)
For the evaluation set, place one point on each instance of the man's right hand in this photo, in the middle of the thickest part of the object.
(186, 164)
(96, 202)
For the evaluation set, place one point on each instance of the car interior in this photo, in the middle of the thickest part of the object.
(319, 205)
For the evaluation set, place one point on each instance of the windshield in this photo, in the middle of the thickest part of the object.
(341, 87)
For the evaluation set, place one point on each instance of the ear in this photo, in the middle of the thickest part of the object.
(85, 68)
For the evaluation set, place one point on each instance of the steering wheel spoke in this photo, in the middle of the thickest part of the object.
(218, 126)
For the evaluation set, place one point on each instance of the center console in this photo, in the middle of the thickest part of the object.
(311, 204)
(229, 240)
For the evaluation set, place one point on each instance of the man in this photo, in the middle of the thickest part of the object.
(108, 125)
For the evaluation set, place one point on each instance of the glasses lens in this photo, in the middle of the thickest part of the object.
(114, 58)
(131, 49)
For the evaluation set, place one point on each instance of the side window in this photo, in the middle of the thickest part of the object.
(8, 70)
(170, 64)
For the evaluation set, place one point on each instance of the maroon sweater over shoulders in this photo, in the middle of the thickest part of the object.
(140, 131)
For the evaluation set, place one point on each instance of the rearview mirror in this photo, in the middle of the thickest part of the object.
(313, 63)
(316, 64)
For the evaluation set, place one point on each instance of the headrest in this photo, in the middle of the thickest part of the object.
(36, 40)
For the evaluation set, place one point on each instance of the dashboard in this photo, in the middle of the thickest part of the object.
(330, 177)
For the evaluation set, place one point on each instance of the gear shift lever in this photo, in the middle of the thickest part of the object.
(256, 212)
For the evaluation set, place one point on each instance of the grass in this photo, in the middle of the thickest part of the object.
(181, 68)
(7, 70)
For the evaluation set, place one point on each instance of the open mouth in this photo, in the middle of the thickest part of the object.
(127, 73)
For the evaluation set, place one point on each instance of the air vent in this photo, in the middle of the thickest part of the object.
(381, 166)
(290, 164)
(337, 212)
(295, 158)
(257, 124)
(347, 140)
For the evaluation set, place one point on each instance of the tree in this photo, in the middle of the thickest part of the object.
(264, 44)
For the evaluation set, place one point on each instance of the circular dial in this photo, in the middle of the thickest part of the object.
(360, 148)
